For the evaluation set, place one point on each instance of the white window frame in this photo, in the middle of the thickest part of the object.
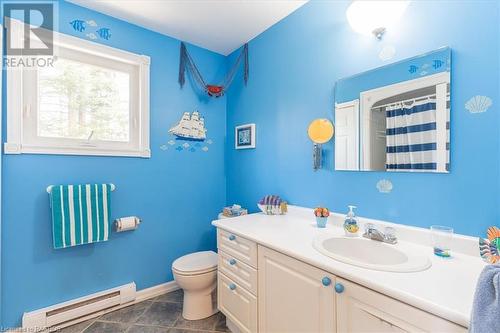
(22, 135)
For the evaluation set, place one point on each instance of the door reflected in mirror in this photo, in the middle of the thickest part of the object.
(395, 117)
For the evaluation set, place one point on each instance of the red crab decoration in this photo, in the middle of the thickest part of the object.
(213, 90)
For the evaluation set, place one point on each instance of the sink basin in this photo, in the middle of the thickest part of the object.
(370, 254)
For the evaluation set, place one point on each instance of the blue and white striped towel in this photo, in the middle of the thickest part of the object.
(80, 214)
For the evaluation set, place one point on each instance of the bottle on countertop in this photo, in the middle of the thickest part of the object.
(351, 226)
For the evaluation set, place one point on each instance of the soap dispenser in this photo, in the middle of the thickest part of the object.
(351, 226)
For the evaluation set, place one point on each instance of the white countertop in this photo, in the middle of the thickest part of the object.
(446, 289)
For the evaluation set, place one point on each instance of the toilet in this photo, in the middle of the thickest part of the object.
(196, 274)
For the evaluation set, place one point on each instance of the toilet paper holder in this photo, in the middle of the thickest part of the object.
(127, 223)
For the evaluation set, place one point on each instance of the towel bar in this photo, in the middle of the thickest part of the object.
(49, 188)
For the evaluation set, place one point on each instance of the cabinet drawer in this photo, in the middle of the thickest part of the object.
(237, 304)
(235, 269)
(237, 247)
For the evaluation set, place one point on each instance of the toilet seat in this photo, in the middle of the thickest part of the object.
(196, 263)
(195, 272)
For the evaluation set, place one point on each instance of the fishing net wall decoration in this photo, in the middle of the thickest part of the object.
(187, 62)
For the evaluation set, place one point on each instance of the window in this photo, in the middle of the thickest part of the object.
(76, 100)
(93, 100)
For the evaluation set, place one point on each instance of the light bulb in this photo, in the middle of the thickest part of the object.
(374, 17)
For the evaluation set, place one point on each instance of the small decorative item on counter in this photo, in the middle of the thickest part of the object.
(272, 205)
(442, 237)
(351, 226)
(321, 214)
(234, 210)
(283, 207)
(489, 248)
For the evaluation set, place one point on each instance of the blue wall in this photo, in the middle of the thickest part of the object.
(293, 69)
(177, 194)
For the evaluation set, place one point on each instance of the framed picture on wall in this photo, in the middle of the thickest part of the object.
(244, 136)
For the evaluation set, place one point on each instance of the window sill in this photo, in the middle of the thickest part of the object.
(11, 149)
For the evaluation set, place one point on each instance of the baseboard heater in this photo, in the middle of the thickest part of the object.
(64, 312)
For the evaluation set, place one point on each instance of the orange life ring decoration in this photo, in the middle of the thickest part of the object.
(186, 61)
(489, 248)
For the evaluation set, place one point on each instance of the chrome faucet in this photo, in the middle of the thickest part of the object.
(389, 236)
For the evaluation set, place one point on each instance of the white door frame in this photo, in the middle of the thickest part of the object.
(355, 105)
(369, 97)
(1, 157)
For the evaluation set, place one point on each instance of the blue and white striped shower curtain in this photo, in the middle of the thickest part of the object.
(411, 136)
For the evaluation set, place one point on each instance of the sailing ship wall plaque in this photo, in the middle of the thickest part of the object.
(190, 127)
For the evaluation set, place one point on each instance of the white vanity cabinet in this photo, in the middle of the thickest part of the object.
(294, 296)
(265, 291)
(361, 310)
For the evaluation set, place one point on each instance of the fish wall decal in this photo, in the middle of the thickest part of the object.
(437, 64)
(104, 33)
(412, 69)
(78, 25)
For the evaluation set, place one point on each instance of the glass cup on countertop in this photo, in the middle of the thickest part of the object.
(442, 237)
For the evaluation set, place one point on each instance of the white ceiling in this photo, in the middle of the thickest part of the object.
(218, 25)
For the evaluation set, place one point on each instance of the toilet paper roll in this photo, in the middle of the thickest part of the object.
(127, 223)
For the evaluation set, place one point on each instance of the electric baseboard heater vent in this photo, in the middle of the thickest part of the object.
(64, 312)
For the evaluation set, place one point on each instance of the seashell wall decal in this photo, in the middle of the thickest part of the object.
(384, 186)
(387, 53)
(478, 104)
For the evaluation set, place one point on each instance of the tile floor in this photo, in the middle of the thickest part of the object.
(162, 314)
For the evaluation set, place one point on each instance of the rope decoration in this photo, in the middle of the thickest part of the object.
(187, 62)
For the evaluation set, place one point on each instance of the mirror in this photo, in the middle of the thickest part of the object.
(395, 117)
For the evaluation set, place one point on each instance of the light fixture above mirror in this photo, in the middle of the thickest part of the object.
(375, 17)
